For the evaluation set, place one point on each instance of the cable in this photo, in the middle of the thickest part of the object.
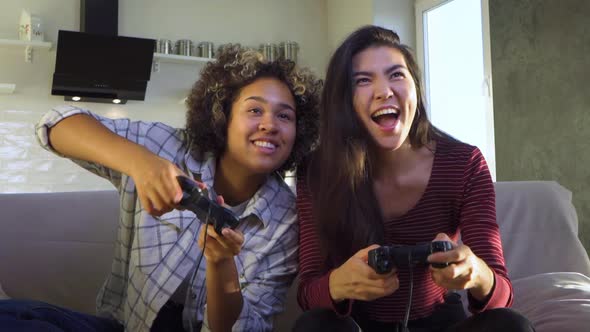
(192, 279)
(409, 304)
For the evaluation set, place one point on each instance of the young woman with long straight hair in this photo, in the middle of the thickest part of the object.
(384, 175)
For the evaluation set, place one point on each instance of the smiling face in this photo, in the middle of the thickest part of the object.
(261, 127)
(385, 95)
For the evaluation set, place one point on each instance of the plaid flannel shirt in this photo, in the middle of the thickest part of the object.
(153, 255)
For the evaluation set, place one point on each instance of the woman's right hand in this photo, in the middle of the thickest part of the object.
(356, 280)
(156, 183)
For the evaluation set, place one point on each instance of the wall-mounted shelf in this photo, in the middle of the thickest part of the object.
(175, 58)
(27, 46)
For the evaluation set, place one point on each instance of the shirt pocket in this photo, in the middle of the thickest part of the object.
(155, 237)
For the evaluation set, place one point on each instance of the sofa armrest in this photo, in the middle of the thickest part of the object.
(539, 229)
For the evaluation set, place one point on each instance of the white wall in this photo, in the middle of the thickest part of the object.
(345, 16)
(249, 22)
(397, 15)
(24, 167)
(317, 25)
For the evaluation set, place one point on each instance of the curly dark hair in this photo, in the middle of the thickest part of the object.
(210, 100)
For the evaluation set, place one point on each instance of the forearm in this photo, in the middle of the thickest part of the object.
(224, 298)
(83, 137)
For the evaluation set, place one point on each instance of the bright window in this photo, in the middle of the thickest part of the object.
(453, 50)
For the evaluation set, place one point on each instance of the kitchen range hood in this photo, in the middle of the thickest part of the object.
(97, 65)
(102, 68)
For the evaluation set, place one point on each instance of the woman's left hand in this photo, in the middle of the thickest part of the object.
(466, 271)
(220, 248)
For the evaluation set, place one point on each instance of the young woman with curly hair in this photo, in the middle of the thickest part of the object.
(248, 120)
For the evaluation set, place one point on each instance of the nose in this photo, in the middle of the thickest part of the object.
(383, 90)
(267, 123)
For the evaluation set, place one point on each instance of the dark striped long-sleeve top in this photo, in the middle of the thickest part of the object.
(459, 200)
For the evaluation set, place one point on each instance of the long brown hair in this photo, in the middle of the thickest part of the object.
(339, 172)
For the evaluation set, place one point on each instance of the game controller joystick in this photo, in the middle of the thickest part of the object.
(385, 258)
(195, 200)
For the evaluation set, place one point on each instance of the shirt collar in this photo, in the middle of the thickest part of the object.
(272, 195)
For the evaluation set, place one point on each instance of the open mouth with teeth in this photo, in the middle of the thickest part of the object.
(387, 117)
(267, 146)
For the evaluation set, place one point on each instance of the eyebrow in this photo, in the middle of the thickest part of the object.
(262, 100)
(387, 71)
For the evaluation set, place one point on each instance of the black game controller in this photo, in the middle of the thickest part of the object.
(384, 258)
(195, 200)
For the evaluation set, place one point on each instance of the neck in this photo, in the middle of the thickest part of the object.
(234, 184)
(392, 163)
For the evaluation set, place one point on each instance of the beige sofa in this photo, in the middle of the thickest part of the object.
(57, 247)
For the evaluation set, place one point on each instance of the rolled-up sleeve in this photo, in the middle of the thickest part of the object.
(50, 119)
(135, 131)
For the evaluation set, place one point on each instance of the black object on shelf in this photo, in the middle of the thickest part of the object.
(99, 66)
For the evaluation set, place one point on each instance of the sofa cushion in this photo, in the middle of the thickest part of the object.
(557, 301)
(57, 247)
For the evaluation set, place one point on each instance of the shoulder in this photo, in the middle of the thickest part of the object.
(278, 197)
(461, 153)
(284, 189)
(164, 140)
(159, 131)
(467, 164)
(307, 168)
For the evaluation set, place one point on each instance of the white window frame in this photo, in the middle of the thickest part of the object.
(422, 6)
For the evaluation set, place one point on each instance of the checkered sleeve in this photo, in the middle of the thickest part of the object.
(133, 131)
